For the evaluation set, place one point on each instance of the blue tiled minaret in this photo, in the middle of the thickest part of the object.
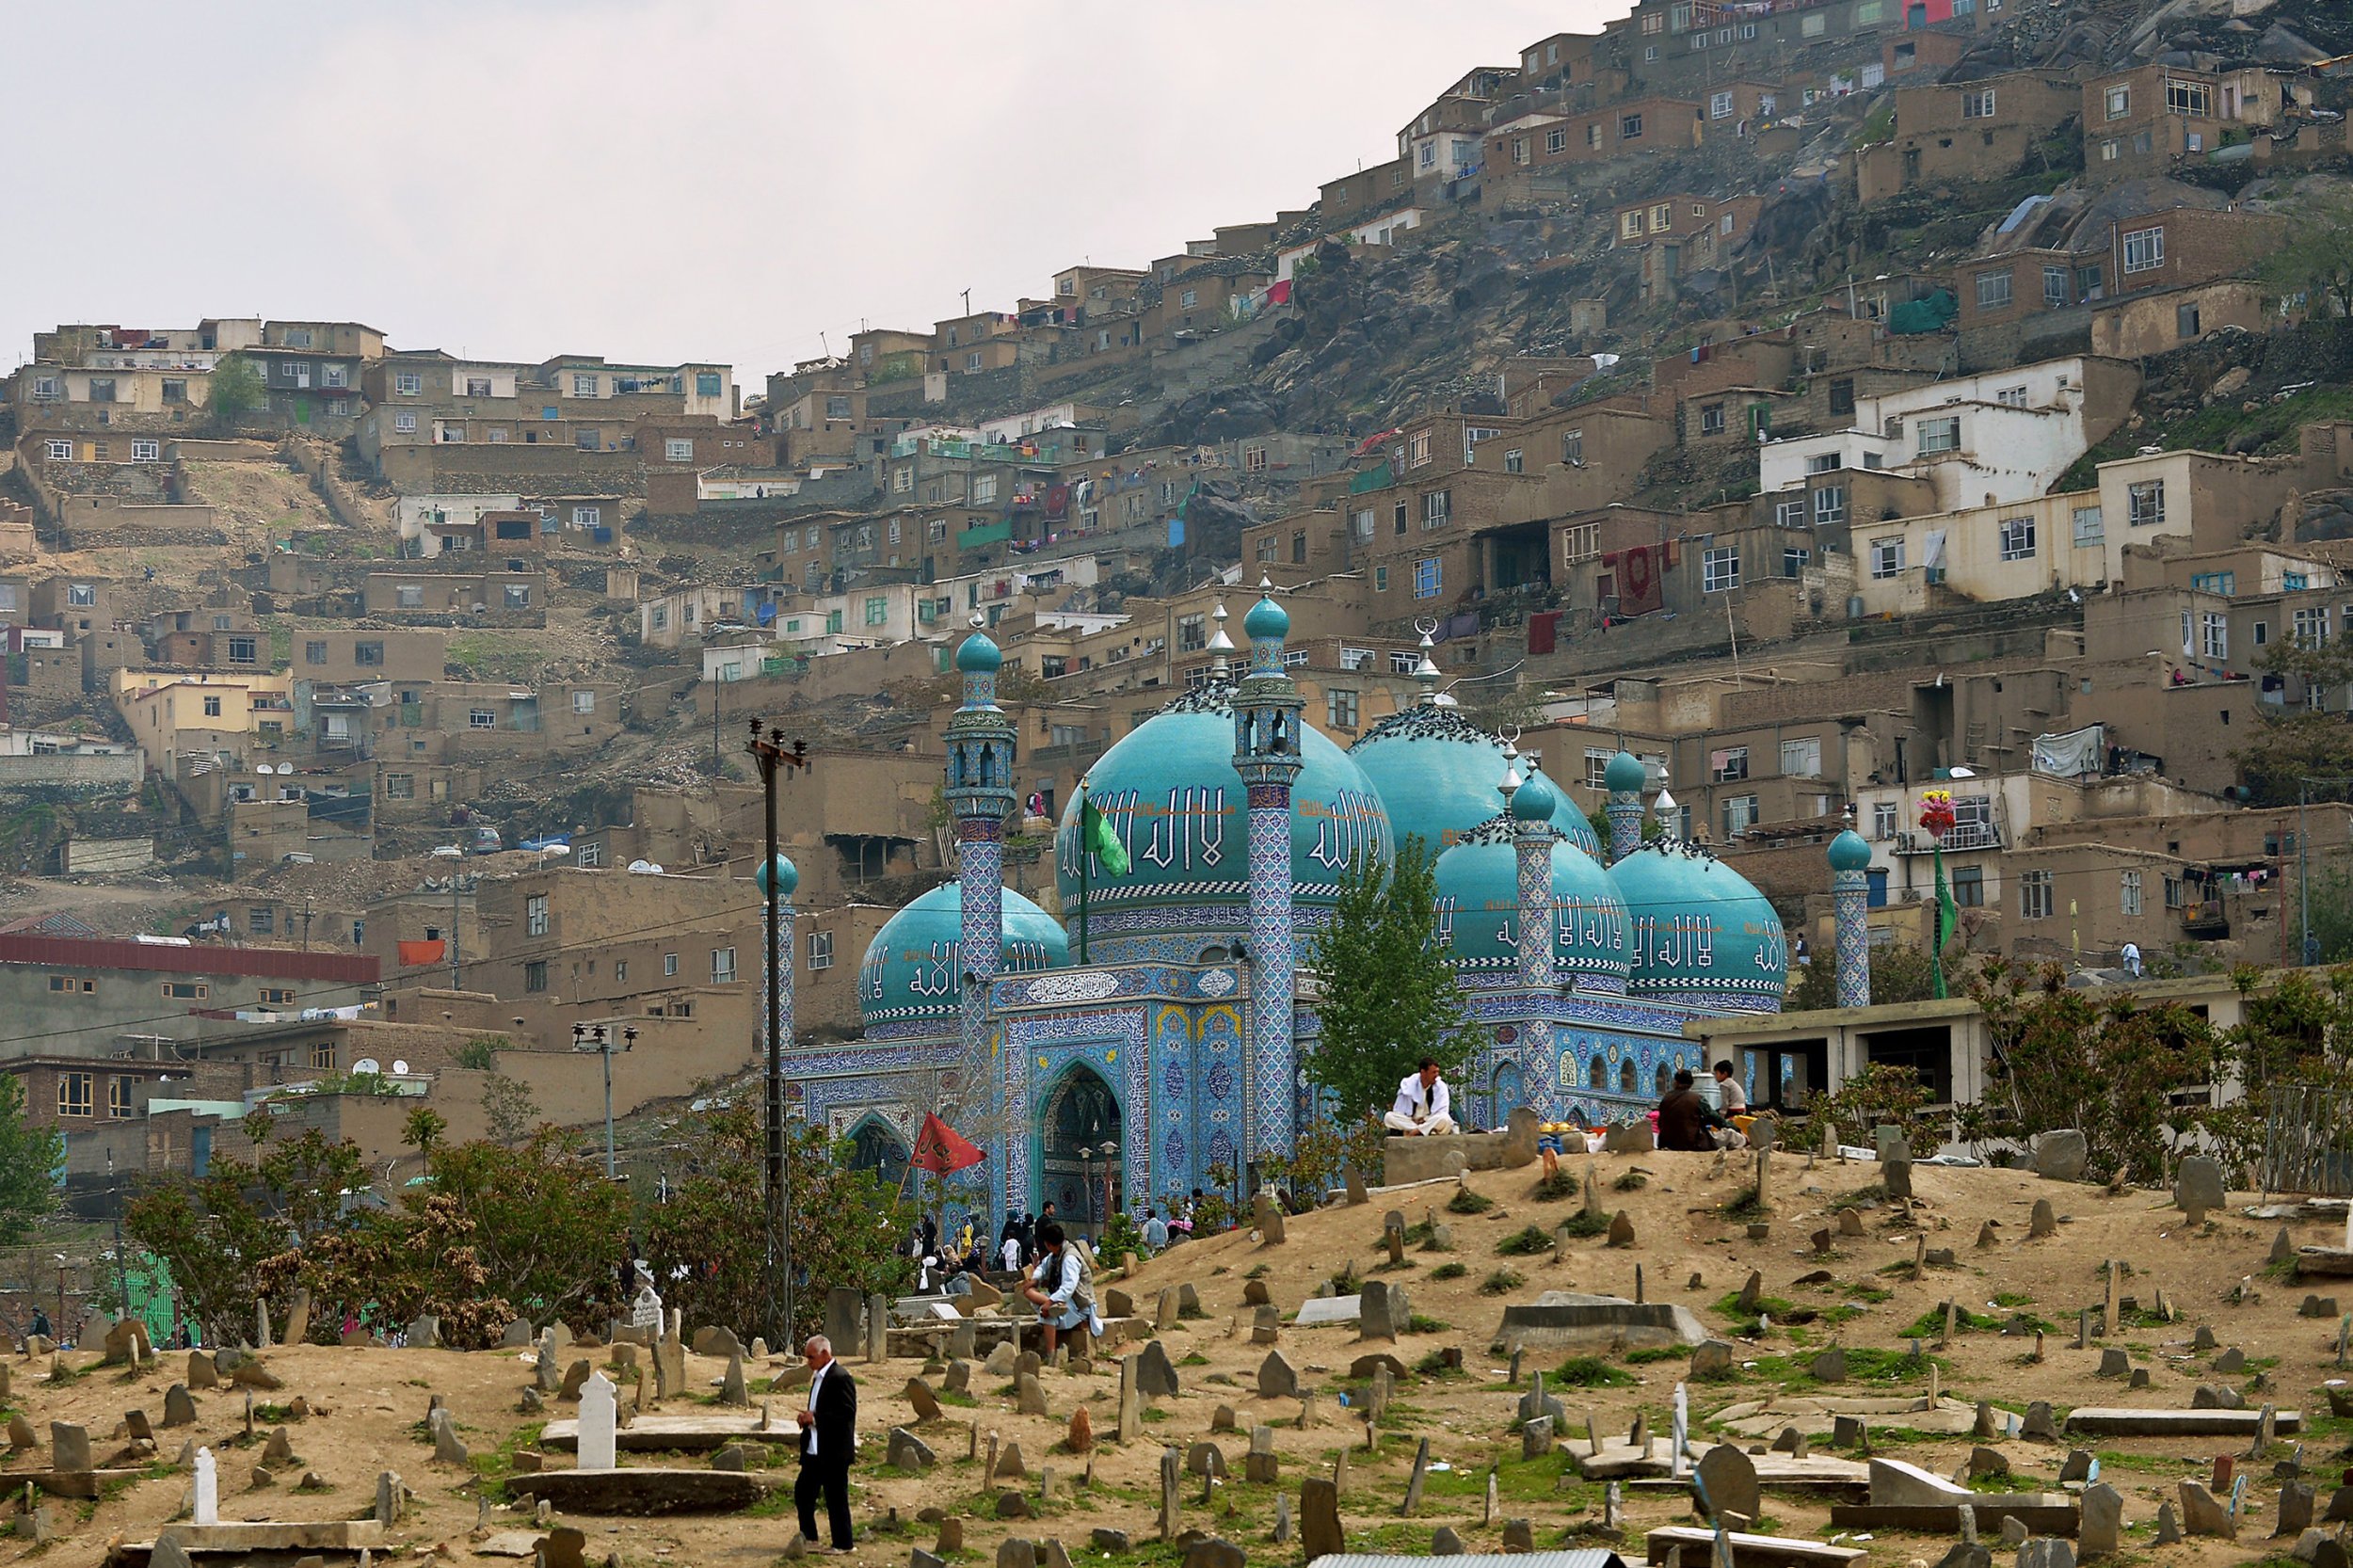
(1850, 902)
(1530, 806)
(1267, 754)
(980, 796)
(1623, 779)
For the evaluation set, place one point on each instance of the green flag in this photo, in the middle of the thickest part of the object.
(1947, 921)
(1095, 837)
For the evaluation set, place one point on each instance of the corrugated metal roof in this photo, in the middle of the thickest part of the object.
(67, 953)
(1582, 1557)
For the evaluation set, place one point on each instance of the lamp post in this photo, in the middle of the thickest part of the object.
(599, 1038)
(769, 754)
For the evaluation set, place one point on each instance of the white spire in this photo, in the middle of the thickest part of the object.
(1220, 646)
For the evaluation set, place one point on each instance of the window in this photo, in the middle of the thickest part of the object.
(2311, 627)
(1731, 762)
(1557, 139)
(407, 383)
(1662, 217)
(2034, 896)
(1884, 820)
(1887, 557)
(1417, 449)
(2119, 101)
(1187, 299)
(404, 423)
(1824, 462)
(1192, 632)
(1993, 294)
(2223, 582)
(535, 915)
(1573, 448)
(409, 596)
(1801, 759)
(515, 597)
(1630, 225)
(706, 383)
(2018, 538)
(371, 654)
(1790, 513)
(2144, 251)
(583, 386)
(1795, 559)
(722, 966)
(984, 488)
(536, 975)
(1712, 418)
(102, 388)
(1830, 505)
(1580, 542)
(1437, 508)
(1380, 580)
(2189, 98)
(76, 1093)
(2054, 286)
(242, 650)
(1719, 106)
(147, 451)
(212, 707)
(1977, 105)
(1340, 708)
(677, 449)
(480, 718)
(821, 949)
(1943, 435)
(400, 786)
(2144, 502)
(185, 990)
(59, 452)
(1739, 815)
(2214, 634)
(2128, 895)
(584, 702)
(670, 964)
(1720, 569)
(972, 362)
(1427, 578)
(1629, 126)
(1513, 462)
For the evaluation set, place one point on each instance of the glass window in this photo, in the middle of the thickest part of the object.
(1943, 435)
(2128, 895)
(821, 949)
(1887, 557)
(2018, 538)
(722, 966)
(1720, 569)
(1992, 291)
(2144, 251)
(1739, 815)
(2034, 896)
(77, 1093)
(2144, 502)
(1830, 505)
(2214, 634)
(2118, 101)
(1730, 763)
(1428, 577)
(1801, 759)
(1790, 513)
(1340, 708)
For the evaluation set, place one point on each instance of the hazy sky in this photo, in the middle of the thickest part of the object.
(666, 180)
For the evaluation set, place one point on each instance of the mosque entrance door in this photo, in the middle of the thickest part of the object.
(875, 1146)
(1503, 1093)
(1078, 1165)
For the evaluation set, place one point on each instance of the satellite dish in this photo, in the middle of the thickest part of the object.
(399, 1066)
(654, 869)
(641, 866)
(264, 767)
(366, 1065)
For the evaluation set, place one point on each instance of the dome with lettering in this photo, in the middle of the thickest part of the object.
(914, 968)
(1170, 793)
(1478, 909)
(1703, 936)
(1440, 776)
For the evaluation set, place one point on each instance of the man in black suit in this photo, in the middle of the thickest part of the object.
(829, 1443)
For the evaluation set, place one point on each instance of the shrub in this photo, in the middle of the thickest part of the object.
(1529, 1242)
(1501, 1281)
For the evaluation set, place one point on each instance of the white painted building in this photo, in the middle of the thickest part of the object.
(416, 514)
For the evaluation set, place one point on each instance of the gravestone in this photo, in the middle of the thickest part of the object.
(2295, 1509)
(1268, 1216)
(1129, 1425)
(909, 1452)
(179, 1407)
(845, 1312)
(2167, 1531)
(69, 1447)
(1621, 1230)
(201, 1371)
(2199, 1185)
(1266, 1324)
(1415, 1480)
(448, 1448)
(1382, 1311)
(1536, 1437)
(1849, 1222)
(2061, 1155)
(1164, 1314)
(1253, 1293)
(925, 1402)
(2044, 1220)
(1727, 1484)
(1156, 1376)
(1710, 1358)
(1028, 1397)
(1829, 1366)
(1277, 1378)
(2202, 1515)
(600, 1422)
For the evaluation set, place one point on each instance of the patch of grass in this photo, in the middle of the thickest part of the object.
(1632, 1181)
(1419, 1324)
(1656, 1352)
(1872, 1293)
(1501, 1281)
(2012, 1298)
(1195, 1359)
(959, 1398)
(1527, 1243)
(1745, 1208)
(1862, 1197)
(1590, 1371)
(1464, 1201)
(1930, 1324)
(1449, 1270)
(1258, 1272)
(1730, 1308)
(1582, 1226)
(1562, 1183)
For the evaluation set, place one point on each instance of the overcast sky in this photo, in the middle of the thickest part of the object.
(668, 180)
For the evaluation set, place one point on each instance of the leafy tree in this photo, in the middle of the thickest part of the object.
(2331, 904)
(234, 389)
(1882, 1092)
(1897, 974)
(508, 1108)
(546, 1226)
(2101, 1061)
(1386, 994)
(28, 1156)
(1322, 1150)
(848, 1227)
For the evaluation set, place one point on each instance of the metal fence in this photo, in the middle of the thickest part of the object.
(2308, 1140)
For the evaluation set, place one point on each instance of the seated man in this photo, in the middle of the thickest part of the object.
(1423, 1103)
(1685, 1119)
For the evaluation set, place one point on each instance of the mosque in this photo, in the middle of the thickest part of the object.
(1164, 1046)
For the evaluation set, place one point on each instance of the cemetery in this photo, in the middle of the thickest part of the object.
(1739, 1359)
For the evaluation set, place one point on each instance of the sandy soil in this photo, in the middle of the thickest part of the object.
(375, 1400)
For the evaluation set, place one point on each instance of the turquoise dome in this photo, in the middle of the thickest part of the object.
(1170, 791)
(1568, 820)
(1436, 773)
(1479, 900)
(1266, 620)
(1849, 851)
(787, 875)
(1624, 775)
(1535, 800)
(977, 655)
(914, 968)
(1702, 935)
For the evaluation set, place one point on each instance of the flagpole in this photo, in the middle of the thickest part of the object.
(1082, 873)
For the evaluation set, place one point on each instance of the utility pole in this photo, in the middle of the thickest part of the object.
(456, 970)
(769, 754)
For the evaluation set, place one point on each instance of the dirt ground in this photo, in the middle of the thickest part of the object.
(374, 1401)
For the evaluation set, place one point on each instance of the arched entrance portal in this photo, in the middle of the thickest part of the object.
(1079, 1163)
(875, 1146)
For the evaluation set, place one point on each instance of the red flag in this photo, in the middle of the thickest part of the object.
(939, 1150)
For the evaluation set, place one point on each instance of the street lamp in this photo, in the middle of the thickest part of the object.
(1108, 1151)
(599, 1038)
(768, 754)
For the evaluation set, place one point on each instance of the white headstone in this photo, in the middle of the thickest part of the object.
(599, 1420)
(1683, 1428)
(207, 1488)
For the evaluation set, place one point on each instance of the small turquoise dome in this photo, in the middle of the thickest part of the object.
(1625, 775)
(786, 875)
(914, 968)
(1849, 851)
(1479, 903)
(1703, 936)
(977, 655)
(1568, 819)
(1266, 620)
(1535, 800)
(1170, 791)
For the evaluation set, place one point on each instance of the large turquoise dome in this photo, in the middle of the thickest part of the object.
(914, 967)
(1170, 791)
(1479, 902)
(1438, 776)
(1702, 935)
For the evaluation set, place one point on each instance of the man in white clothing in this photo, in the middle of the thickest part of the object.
(1423, 1103)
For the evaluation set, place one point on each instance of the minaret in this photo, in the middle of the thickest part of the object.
(786, 877)
(1849, 903)
(1623, 779)
(1267, 754)
(980, 796)
(1530, 806)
